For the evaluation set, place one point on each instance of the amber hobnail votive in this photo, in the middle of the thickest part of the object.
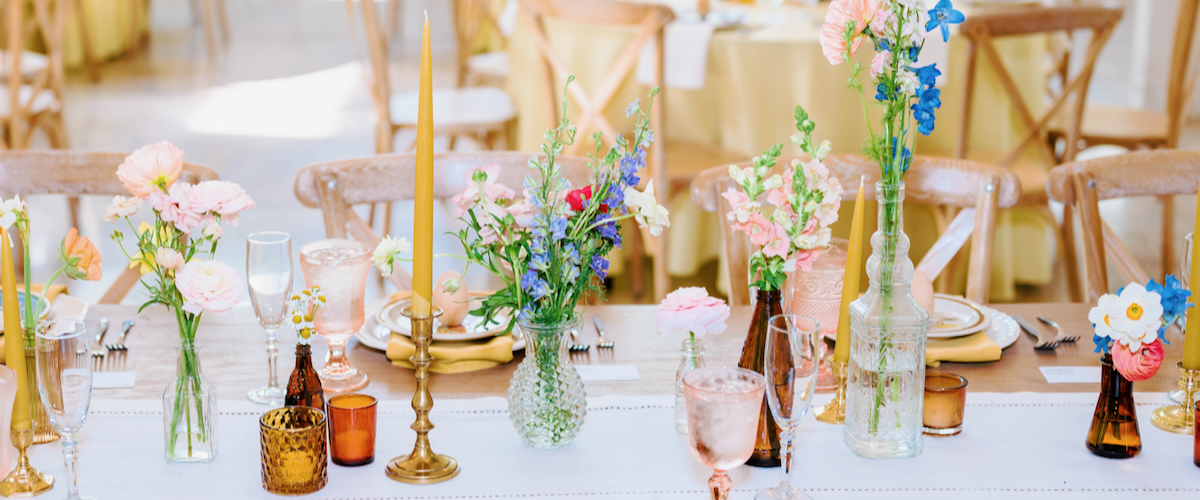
(294, 461)
(352, 429)
(945, 399)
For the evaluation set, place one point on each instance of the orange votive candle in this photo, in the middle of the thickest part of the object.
(352, 429)
(945, 400)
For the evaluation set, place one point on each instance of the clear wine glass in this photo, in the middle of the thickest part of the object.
(722, 408)
(340, 268)
(269, 276)
(64, 372)
(791, 371)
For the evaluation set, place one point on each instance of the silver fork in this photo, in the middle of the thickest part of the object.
(577, 347)
(600, 342)
(101, 330)
(120, 345)
(1063, 336)
(1045, 342)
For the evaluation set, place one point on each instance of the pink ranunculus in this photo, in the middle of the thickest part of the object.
(691, 309)
(175, 207)
(151, 168)
(223, 198)
(212, 230)
(779, 242)
(879, 63)
(1140, 365)
(759, 228)
(122, 207)
(209, 285)
(168, 258)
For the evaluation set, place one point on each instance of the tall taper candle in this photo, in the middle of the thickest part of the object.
(14, 345)
(423, 195)
(841, 350)
(1191, 340)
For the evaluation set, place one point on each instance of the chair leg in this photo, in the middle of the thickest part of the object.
(210, 35)
(224, 20)
(387, 218)
(1168, 243)
(662, 280)
(89, 58)
(73, 206)
(637, 264)
(1067, 252)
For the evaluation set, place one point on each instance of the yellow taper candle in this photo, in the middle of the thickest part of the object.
(14, 345)
(423, 195)
(841, 350)
(1191, 340)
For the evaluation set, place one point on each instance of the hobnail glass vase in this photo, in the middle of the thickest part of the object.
(885, 387)
(1114, 431)
(190, 410)
(692, 357)
(546, 402)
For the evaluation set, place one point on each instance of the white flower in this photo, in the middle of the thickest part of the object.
(649, 213)
(737, 174)
(9, 210)
(772, 182)
(168, 258)
(908, 81)
(1131, 318)
(122, 207)
(212, 230)
(386, 253)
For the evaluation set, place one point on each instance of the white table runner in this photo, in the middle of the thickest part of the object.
(1027, 445)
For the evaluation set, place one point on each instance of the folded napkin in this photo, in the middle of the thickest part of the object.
(54, 291)
(454, 356)
(685, 56)
(973, 348)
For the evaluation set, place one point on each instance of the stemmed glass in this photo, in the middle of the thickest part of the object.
(64, 372)
(269, 276)
(791, 372)
(722, 408)
(1185, 270)
(340, 268)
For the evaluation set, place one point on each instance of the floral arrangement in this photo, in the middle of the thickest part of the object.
(303, 308)
(804, 203)
(548, 247)
(1131, 326)
(691, 310)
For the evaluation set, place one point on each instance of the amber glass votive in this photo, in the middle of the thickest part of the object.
(352, 429)
(945, 398)
(294, 461)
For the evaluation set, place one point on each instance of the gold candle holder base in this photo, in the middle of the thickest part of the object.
(834, 412)
(1180, 419)
(422, 466)
(24, 480)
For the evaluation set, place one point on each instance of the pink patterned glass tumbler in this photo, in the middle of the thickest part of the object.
(339, 268)
(818, 295)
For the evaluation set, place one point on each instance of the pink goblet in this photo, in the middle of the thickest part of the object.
(339, 268)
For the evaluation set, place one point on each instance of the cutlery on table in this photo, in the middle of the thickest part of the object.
(1046, 342)
(600, 342)
(577, 347)
(100, 331)
(120, 345)
(1062, 334)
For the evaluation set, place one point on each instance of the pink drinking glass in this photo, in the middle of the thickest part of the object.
(722, 408)
(339, 268)
(818, 295)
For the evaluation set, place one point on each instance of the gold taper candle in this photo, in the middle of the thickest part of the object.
(841, 350)
(423, 194)
(1191, 340)
(14, 352)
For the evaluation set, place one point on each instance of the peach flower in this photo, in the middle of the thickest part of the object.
(1141, 365)
(174, 206)
(840, 12)
(122, 207)
(155, 166)
(80, 256)
(690, 309)
(779, 242)
(209, 285)
(223, 198)
(759, 227)
(168, 258)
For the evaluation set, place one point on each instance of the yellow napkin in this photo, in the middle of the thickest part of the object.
(454, 356)
(54, 291)
(973, 348)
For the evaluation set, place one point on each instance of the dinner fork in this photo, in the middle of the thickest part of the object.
(1045, 341)
(1063, 336)
(101, 330)
(120, 345)
(577, 347)
(601, 342)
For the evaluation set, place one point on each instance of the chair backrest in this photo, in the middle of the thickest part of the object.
(45, 21)
(473, 20)
(335, 187)
(375, 70)
(1084, 184)
(1181, 82)
(978, 189)
(76, 173)
(980, 30)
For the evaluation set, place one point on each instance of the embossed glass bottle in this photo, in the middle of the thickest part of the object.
(885, 388)
(691, 359)
(546, 402)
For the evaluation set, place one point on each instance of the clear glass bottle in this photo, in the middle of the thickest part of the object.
(546, 400)
(885, 386)
(692, 358)
(190, 410)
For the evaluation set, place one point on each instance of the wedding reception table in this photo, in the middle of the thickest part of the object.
(1022, 435)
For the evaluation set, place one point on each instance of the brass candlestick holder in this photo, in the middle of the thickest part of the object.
(835, 411)
(1180, 418)
(422, 466)
(24, 480)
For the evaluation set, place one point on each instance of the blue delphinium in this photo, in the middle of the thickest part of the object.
(942, 16)
(1174, 297)
(600, 266)
(558, 228)
(630, 165)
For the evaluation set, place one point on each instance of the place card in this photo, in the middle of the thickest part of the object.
(113, 380)
(1071, 374)
(597, 373)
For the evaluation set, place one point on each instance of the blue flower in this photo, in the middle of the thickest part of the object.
(943, 15)
(647, 139)
(526, 313)
(927, 75)
(882, 93)
(630, 166)
(570, 273)
(1174, 297)
(538, 246)
(901, 160)
(633, 107)
(608, 229)
(913, 52)
(540, 262)
(600, 266)
(616, 197)
(1101, 342)
(558, 228)
(534, 285)
(883, 44)
(571, 254)
(923, 110)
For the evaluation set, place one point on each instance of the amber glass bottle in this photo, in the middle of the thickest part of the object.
(1114, 432)
(766, 446)
(304, 386)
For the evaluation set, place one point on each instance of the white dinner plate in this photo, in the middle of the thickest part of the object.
(377, 341)
(956, 317)
(1004, 330)
(471, 329)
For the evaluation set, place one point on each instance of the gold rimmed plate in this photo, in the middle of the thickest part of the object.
(955, 317)
(472, 328)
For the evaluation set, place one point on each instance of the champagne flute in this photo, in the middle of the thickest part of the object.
(1185, 271)
(792, 357)
(722, 408)
(269, 276)
(64, 372)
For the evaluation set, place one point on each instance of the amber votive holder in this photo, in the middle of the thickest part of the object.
(294, 460)
(351, 429)
(945, 399)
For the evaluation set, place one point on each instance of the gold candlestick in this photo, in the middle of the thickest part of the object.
(835, 411)
(1180, 419)
(24, 480)
(422, 466)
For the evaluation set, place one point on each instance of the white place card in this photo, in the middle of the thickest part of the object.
(1071, 374)
(113, 380)
(597, 373)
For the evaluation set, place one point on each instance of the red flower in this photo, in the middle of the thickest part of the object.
(576, 197)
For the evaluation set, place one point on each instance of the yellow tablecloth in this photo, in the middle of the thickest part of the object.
(109, 27)
(753, 80)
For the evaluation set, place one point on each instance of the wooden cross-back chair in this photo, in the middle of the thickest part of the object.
(473, 19)
(74, 174)
(336, 187)
(1084, 184)
(980, 190)
(34, 97)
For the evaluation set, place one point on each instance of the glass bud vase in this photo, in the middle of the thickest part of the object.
(766, 444)
(886, 378)
(1114, 431)
(546, 401)
(190, 410)
(691, 359)
(304, 385)
(43, 432)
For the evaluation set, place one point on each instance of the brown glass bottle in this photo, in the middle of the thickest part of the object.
(1114, 432)
(766, 446)
(304, 386)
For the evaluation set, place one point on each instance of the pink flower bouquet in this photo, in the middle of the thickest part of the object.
(692, 310)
